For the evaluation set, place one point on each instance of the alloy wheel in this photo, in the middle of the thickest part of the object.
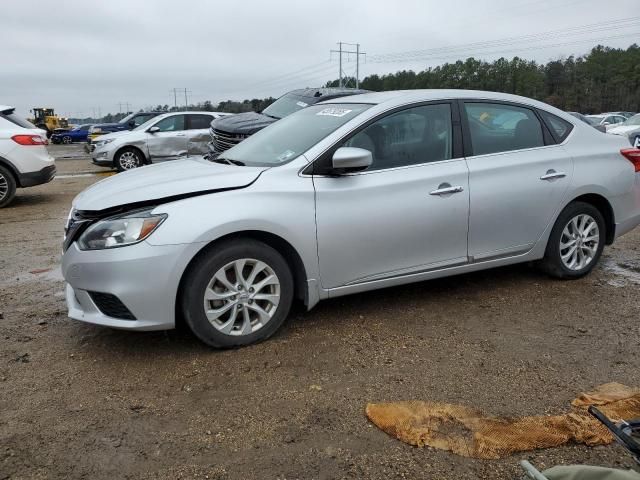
(242, 297)
(128, 160)
(66, 140)
(579, 242)
(4, 187)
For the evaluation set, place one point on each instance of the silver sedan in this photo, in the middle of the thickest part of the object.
(345, 196)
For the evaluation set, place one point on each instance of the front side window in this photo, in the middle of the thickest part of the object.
(171, 124)
(414, 136)
(199, 122)
(498, 128)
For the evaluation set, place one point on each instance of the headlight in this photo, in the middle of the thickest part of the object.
(102, 143)
(120, 231)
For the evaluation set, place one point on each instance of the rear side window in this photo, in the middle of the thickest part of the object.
(559, 127)
(496, 128)
(17, 120)
(199, 122)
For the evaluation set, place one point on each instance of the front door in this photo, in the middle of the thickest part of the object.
(406, 213)
(170, 142)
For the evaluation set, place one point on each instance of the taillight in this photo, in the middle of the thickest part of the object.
(29, 140)
(633, 155)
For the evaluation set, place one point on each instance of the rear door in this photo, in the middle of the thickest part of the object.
(170, 142)
(198, 132)
(518, 175)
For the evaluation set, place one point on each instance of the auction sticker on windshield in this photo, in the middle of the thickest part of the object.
(334, 112)
(302, 104)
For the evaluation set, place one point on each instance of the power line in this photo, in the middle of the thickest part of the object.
(589, 28)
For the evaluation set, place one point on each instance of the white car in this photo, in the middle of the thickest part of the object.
(606, 120)
(166, 137)
(24, 159)
(629, 129)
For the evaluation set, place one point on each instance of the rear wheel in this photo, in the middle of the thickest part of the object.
(636, 141)
(66, 139)
(128, 159)
(576, 242)
(7, 187)
(237, 294)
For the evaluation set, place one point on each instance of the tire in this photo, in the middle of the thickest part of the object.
(67, 140)
(587, 253)
(228, 308)
(7, 187)
(128, 159)
(636, 141)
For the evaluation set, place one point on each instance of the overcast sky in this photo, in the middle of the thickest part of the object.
(81, 56)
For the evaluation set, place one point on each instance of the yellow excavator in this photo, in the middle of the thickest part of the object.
(46, 119)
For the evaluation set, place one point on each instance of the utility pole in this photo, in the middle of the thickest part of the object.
(175, 91)
(357, 53)
(124, 104)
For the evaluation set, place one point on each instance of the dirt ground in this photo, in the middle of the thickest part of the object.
(81, 401)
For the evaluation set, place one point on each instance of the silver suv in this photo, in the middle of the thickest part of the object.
(345, 196)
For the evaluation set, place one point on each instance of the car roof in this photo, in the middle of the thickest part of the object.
(407, 96)
(327, 92)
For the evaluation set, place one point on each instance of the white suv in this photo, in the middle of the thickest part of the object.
(24, 159)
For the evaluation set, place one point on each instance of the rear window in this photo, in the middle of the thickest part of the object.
(17, 120)
(560, 128)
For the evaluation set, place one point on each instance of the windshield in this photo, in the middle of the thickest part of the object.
(286, 105)
(17, 120)
(127, 118)
(283, 141)
(148, 123)
(633, 121)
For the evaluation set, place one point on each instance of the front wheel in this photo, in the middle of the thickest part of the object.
(127, 159)
(237, 294)
(66, 139)
(576, 242)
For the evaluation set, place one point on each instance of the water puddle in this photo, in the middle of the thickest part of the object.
(85, 174)
(625, 272)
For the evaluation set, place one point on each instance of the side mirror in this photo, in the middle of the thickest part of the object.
(606, 123)
(132, 124)
(351, 159)
(153, 129)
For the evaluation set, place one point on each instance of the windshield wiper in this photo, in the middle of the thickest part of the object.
(272, 116)
(228, 161)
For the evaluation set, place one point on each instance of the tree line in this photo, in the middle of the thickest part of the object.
(605, 79)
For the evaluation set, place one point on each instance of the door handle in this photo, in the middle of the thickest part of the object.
(552, 174)
(446, 189)
(181, 134)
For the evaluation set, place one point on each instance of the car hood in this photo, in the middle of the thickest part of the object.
(107, 136)
(622, 130)
(109, 125)
(243, 123)
(164, 182)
